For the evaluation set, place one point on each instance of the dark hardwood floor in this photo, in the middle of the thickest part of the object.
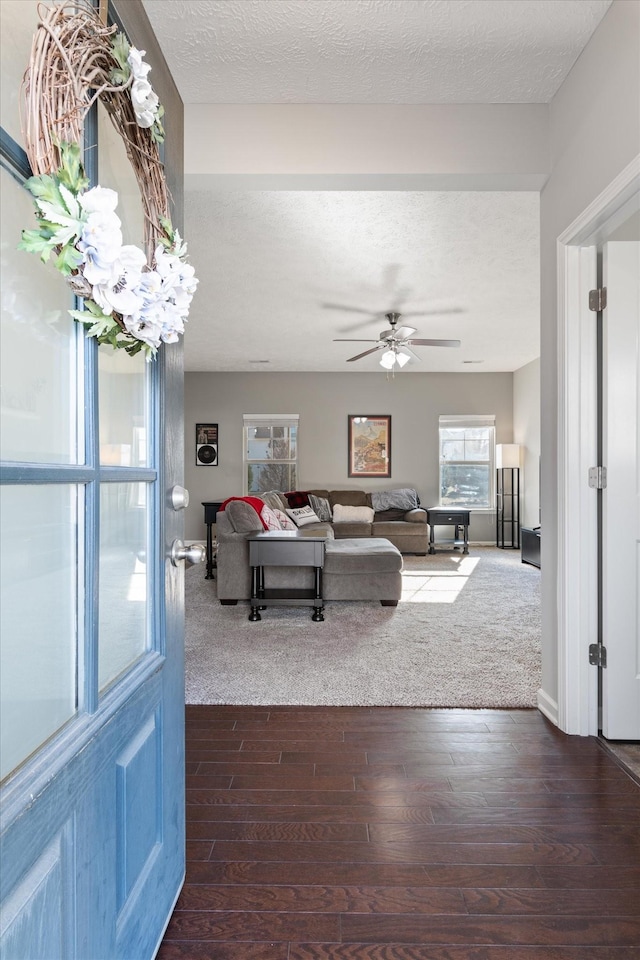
(336, 833)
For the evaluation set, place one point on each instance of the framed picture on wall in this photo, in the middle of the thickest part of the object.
(206, 444)
(369, 446)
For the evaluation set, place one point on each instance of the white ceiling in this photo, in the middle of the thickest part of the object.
(281, 270)
(372, 51)
(276, 266)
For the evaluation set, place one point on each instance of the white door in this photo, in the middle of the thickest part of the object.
(621, 497)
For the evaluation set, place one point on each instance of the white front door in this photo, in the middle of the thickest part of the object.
(621, 497)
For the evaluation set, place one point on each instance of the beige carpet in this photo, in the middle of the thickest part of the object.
(465, 634)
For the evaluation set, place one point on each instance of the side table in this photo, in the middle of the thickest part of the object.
(444, 516)
(211, 508)
(285, 548)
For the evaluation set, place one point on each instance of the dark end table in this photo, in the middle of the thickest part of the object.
(447, 517)
(285, 548)
(211, 508)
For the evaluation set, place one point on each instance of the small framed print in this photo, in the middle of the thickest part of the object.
(369, 446)
(206, 444)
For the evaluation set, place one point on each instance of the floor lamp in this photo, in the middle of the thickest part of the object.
(508, 495)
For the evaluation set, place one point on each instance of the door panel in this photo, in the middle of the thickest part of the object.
(92, 838)
(621, 509)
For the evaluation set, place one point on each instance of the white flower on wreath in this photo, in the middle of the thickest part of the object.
(118, 291)
(101, 238)
(143, 98)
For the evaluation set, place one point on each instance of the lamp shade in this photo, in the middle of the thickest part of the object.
(507, 455)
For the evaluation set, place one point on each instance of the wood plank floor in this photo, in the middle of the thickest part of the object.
(340, 833)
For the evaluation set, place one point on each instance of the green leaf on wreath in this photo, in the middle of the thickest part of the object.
(120, 49)
(68, 260)
(71, 172)
(34, 241)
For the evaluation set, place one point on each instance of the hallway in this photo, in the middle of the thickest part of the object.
(320, 833)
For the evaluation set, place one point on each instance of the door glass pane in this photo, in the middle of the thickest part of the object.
(38, 358)
(18, 19)
(123, 408)
(38, 625)
(123, 618)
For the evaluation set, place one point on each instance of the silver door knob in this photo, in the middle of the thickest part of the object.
(194, 553)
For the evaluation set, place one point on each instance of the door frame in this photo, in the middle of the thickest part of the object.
(576, 536)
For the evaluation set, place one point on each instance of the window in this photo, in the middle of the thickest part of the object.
(270, 452)
(467, 450)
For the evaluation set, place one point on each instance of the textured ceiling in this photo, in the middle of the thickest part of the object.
(275, 261)
(271, 263)
(372, 51)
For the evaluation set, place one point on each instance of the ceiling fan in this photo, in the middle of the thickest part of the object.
(396, 343)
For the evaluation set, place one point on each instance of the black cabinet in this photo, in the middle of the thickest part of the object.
(531, 545)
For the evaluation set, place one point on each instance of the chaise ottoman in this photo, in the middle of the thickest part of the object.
(362, 568)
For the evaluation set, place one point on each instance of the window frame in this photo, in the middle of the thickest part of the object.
(461, 422)
(257, 420)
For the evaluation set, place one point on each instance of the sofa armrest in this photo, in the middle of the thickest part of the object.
(418, 515)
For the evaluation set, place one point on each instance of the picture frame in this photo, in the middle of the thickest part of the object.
(369, 445)
(206, 444)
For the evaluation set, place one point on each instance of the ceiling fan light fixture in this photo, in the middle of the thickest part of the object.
(388, 360)
(402, 358)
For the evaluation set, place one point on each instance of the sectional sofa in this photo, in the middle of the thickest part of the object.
(363, 556)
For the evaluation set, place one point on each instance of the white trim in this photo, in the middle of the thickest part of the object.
(270, 417)
(576, 544)
(548, 707)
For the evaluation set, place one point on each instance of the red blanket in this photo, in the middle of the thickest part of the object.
(254, 502)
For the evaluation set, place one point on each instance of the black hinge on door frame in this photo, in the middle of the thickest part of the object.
(597, 655)
(598, 299)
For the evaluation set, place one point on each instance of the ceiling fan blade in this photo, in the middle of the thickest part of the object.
(411, 352)
(346, 309)
(433, 343)
(341, 340)
(403, 333)
(431, 313)
(366, 353)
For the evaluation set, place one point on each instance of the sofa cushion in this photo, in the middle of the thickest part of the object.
(350, 498)
(398, 528)
(357, 557)
(343, 530)
(320, 493)
(242, 517)
(274, 499)
(347, 514)
(386, 515)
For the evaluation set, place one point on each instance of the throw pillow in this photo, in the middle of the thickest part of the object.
(301, 516)
(345, 514)
(297, 498)
(320, 506)
(243, 517)
(270, 518)
(285, 522)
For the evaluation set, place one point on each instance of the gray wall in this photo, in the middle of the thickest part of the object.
(323, 401)
(602, 94)
(526, 432)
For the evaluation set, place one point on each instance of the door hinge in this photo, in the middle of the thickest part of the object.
(597, 655)
(598, 477)
(598, 299)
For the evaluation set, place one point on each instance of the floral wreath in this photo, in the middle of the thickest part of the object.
(133, 299)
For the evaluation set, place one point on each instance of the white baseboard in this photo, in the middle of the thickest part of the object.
(548, 707)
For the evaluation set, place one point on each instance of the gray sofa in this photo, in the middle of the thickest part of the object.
(406, 528)
(359, 564)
